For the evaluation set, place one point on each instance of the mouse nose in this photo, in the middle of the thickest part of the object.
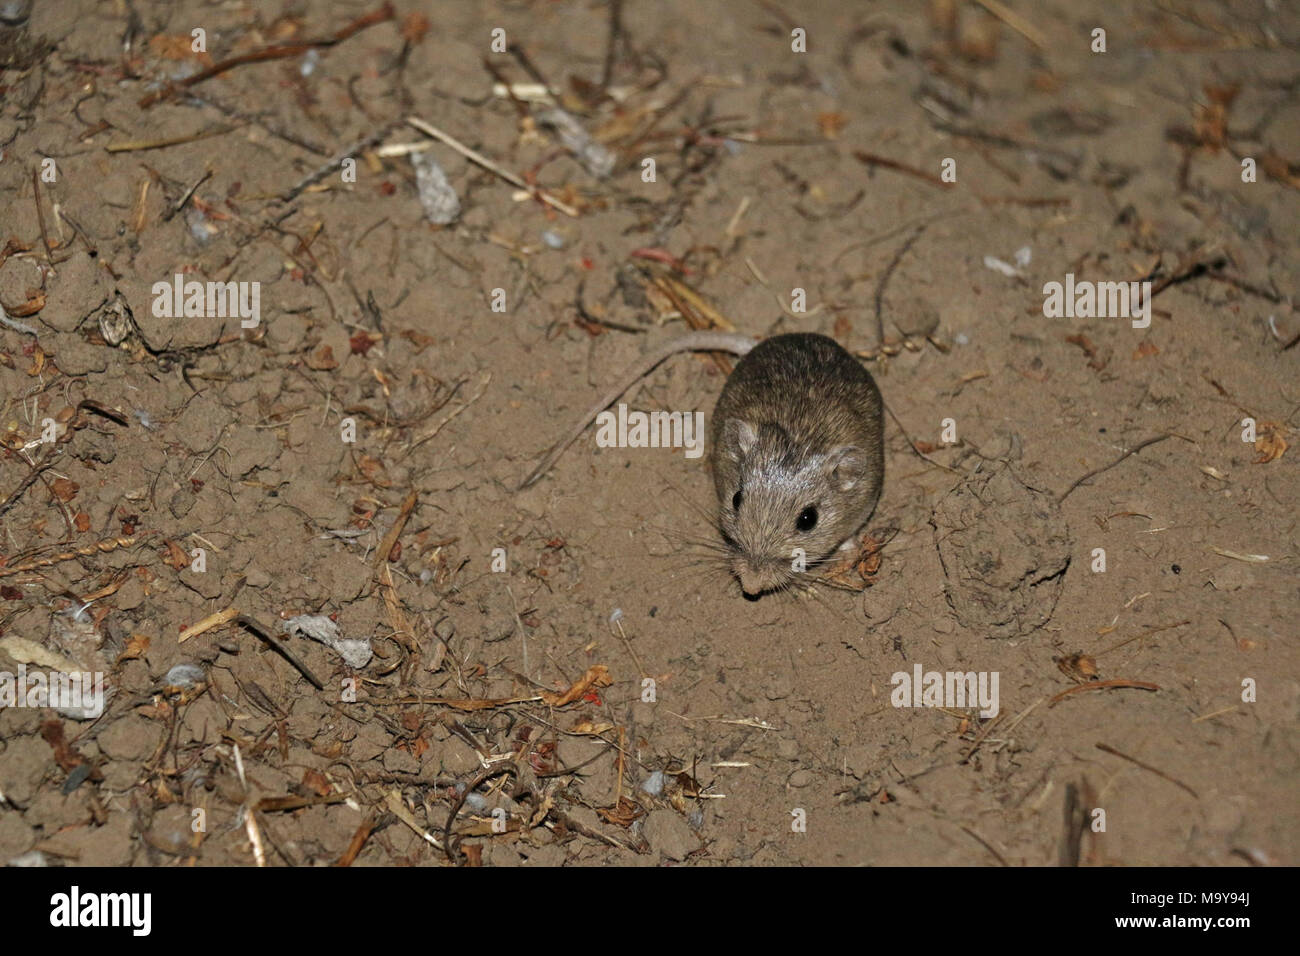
(755, 581)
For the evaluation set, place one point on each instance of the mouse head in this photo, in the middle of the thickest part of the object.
(783, 506)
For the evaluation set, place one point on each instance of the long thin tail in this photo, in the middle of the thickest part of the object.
(691, 342)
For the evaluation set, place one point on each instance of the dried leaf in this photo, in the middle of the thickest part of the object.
(34, 304)
(362, 342)
(322, 360)
(831, 123)
(596, 676)
(65, 489)
(176, 558)
(1270, 442)
(136, 645)
(622, 815)
(374, 471)
(418, 339)
(1211, 121)
(1078, 666)
(317, 783)
(176, 47)
(587, 725)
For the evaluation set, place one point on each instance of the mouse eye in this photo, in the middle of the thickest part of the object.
(807, 519)
(735, 501)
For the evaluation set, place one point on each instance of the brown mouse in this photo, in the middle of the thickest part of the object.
(797, 449)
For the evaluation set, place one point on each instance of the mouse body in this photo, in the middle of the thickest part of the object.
(798, 459)
(796, 447)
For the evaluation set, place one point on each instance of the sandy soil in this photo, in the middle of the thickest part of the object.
(766, 733)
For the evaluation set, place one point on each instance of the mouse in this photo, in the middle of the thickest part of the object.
(796, 445)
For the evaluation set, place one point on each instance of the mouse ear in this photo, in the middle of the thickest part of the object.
(740, 435)
(845, 466)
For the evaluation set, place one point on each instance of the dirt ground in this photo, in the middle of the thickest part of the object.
(175, 489)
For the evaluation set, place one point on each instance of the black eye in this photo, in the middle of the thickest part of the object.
(807, 519)
(735, 501)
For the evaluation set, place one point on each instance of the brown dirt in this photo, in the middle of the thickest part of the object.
(1115, 166)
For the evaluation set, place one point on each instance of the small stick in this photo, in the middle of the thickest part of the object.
(275, 129)
(358, 841)
(618, 623)
(873, 159)
(108, 544)
(138, 145)
(289, 655)
(1074, 820)
(273, 804)
(607, 73)
(622, 761)
(402, 631)
(186, 198)
(276, 52)
(40, 216)
(490, 166)
(323, 171)
(1238, 556)
(1097, 471)
(1148, 631)
(208, 623)
(520, 107)
(1104, 748)
(395, 532)
(254, 835)
(1205, 264)
(483, 384)
(394, 801)
(884, 280)
(912, 445)
(233, 613)
(1225, 710)
(975, 745)
(1102, 685)
(984, 843)
(520, 54)
(1016, 22)
(450, 846)
(460, 703)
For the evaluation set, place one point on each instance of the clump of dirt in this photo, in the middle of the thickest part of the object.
(1005, 550)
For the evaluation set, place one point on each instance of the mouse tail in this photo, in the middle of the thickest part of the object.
(729, 342)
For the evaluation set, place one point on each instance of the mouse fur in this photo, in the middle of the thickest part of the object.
(796, 447)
